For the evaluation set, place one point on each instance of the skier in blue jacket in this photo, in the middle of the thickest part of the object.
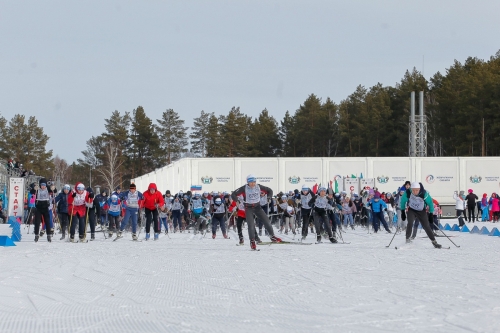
(378, 206)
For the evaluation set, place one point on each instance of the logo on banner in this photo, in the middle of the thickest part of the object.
(475, 179)
(294, 180)
(337, 177)
(207, 180)
(429, 179)
(351, 188)
(382, 179)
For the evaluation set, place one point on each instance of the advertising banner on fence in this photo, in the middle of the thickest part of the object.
(439, 177)
(391, 174)
(481, 177)
(16, 197)
(298, 173)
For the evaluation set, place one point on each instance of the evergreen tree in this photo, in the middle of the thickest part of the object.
(234, 133)
(118, 135)
(200, 134)
(286, 136)
(331, 135)
(145, 153)
(215, 147)
(26, 143)
(264, 138)
(173, 135)
(352, 122)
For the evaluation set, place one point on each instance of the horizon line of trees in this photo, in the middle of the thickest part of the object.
(371, 121)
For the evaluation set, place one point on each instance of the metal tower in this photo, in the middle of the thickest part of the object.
(417, 145)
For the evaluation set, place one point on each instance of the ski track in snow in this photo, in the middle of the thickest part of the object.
(184, 284)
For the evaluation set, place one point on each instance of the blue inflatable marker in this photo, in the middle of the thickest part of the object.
(16, 229)
(484, 231)
(465, 229)
(494, 232)
(447, 227)
(475, 230)
(455, 228)
(441, 226)
(6, 241)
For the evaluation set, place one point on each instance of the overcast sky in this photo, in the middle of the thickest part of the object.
(71, 63)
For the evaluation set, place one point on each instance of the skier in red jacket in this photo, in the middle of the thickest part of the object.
(153, 199)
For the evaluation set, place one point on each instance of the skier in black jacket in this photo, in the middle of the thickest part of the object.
(471, 205)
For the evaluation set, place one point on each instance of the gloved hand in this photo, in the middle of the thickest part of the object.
(74, 194)
(91, 195)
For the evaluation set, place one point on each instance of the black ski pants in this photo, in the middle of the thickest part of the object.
(92, 219)
(471, 211)
(321, 217)
(80, 221)
(152, 216)
(63, 220)
(422, 217)
(39, 212)
(305, 214)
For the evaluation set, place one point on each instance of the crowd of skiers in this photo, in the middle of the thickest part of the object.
(326, 213)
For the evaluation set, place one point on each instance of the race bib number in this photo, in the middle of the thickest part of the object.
(416, 203)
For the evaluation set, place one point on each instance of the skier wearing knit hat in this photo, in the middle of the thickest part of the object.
(415, 201)
(251, 195)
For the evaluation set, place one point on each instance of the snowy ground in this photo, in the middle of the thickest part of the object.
(190, 285)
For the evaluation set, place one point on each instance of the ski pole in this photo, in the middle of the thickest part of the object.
(86, 222)
(393, 237)
(70, 220)
(449, 238)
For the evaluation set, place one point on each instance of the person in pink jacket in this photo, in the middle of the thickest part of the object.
(495, 208)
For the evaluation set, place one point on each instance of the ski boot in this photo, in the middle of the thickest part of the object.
(388, 231)
(36, 238)
(436, 245)
(156, 236)
(242, 241)
(49, 238)
(63, 236)
(352, 226)
(92, 237)
(213, 236)
(226, 236)
(408, 241)
(147, 236)
(134, 236)
(304, 237)
(275, 239)
(166, 231)
(333, 240)
(83, 239)
(286, 232)
(110, 234)
(253, 246)
(42, 233)
(73, 239)
(318, 239)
